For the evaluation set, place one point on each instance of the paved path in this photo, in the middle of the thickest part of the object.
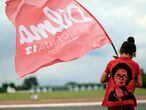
(57, 108)
(65, 106)
(62, 106)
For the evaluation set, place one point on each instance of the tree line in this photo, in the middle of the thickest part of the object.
(26, 85)
(32, 81)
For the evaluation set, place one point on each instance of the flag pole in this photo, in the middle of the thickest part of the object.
(114, 49)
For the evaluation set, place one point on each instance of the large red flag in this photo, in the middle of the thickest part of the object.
(52, 31)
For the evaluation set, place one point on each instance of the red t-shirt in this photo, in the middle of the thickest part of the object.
(121, 85)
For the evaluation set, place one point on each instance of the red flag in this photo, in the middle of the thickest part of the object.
(52, 31)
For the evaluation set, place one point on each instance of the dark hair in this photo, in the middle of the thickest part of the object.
(128, 47)
(125, 67)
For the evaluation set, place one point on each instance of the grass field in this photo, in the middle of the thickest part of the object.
(98, 94)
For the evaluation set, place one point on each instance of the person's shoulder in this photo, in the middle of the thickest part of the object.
(112, 62)
(135, 63)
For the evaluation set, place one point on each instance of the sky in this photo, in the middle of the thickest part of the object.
(120, 19)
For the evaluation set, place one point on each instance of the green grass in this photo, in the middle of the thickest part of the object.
(71, 95)
(140, 92)
(15, 96)
(64, 95)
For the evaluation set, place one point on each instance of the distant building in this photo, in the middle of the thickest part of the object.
(68, 87)
(11, 90)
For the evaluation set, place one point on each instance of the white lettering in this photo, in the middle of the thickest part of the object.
(73, 6)
(25, 35)
(62, 22)
(31, 49)
(28, 50)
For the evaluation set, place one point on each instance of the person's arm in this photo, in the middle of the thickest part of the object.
(139, 81)
(104, 78)
(105, 75)
(139, 77)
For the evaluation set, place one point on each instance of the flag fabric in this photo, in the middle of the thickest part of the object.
(52, 31)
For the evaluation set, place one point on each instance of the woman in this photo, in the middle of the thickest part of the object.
(123, 75)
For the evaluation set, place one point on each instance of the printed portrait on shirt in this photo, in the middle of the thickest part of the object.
(121, 76)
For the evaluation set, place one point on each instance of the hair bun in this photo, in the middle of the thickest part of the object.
(131, 39)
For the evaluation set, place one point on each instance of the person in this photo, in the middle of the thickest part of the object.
(122, 74)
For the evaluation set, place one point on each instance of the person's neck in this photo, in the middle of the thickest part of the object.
(125, 55)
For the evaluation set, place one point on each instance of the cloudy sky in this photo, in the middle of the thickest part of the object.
(120, 19)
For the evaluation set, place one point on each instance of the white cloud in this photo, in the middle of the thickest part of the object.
(86, 69)
(119, 18)
(142, 22)
(7, 72)
(141, 40)
(121, 12)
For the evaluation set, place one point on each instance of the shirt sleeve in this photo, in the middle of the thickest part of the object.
(107, 69)
(138, 70)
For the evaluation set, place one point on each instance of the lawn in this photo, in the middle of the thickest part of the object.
(63, 95)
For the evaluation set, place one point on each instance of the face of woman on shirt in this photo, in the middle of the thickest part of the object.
(120, 77)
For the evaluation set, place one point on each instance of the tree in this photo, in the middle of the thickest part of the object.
(12, 85)
(30, 82)
(71, 83)
(4, 87)
(143, 79)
